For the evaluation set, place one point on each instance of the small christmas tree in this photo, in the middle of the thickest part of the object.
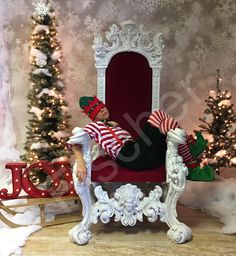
(47, 128)
(219, 124)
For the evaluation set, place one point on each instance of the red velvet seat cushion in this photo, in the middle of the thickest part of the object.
(104, 169)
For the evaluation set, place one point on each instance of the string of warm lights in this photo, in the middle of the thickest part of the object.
(47, 128)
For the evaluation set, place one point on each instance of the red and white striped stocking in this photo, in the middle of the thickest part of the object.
(164, 123)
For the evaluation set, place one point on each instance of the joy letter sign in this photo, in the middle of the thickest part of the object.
(20, 179)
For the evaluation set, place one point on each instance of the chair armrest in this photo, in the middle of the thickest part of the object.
(176, 170)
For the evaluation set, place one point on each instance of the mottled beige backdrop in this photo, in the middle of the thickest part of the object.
(199, 37)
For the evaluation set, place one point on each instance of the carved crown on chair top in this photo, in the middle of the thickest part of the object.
(128, 37)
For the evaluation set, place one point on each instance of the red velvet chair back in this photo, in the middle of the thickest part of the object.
(129, 90)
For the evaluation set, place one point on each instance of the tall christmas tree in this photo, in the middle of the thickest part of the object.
(219, 125)
(47, 128)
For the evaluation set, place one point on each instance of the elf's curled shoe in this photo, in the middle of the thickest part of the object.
(198, 174)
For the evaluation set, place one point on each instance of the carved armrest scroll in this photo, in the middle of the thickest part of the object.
(176, 169)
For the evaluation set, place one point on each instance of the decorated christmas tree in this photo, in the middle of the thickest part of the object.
(47, 128)
(219, 126)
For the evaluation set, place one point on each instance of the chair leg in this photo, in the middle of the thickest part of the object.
(80, 233)
(176, 177)
(178, 232)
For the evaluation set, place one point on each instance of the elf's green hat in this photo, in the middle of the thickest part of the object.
(91, 106)
(198, 146)
(84, 101)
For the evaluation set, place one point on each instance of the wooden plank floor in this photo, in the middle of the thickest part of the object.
(144, 239)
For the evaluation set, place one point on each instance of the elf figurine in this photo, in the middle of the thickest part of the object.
(147, 151)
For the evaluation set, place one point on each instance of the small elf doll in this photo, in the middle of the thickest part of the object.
(147, 151)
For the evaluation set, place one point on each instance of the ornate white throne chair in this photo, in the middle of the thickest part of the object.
(128, 66)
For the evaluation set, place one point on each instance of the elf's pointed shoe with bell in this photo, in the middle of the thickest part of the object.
(204, 174)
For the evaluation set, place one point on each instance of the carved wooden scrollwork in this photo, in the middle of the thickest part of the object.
(128, 205)
(128, 37)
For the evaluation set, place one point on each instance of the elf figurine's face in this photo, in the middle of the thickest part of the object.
(103, 114)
